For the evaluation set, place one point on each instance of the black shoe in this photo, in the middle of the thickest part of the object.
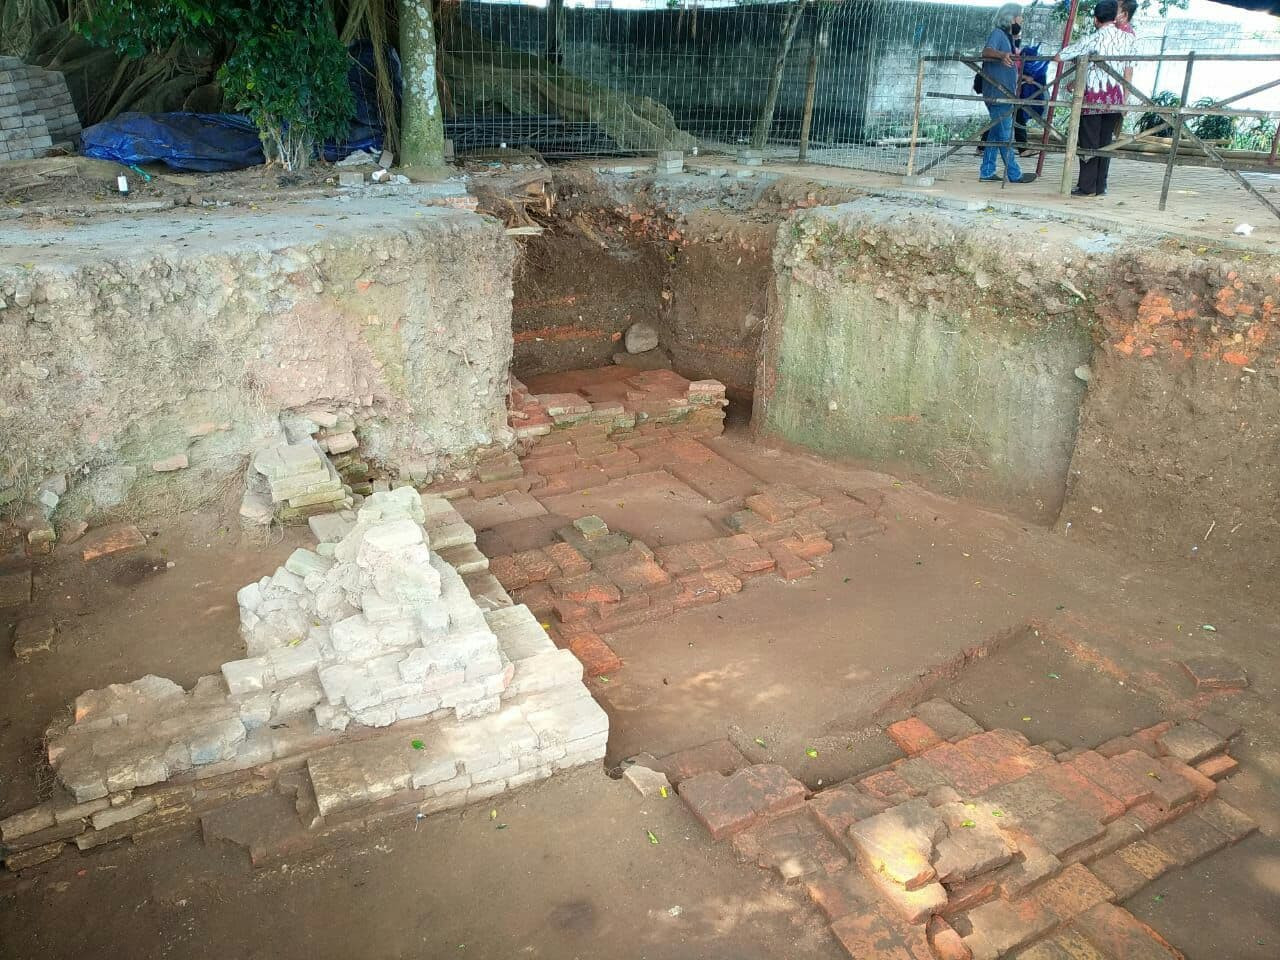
(1026, 178)
(991, 179)
(1077, 192)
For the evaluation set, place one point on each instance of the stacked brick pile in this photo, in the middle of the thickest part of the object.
(977, 844)
(35, 110)
(290, 482)
(622, 400)
(447, 702)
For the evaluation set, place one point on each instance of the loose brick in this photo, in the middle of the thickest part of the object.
(946, 943)
(841, 893)
(1215, 673)
(728, 805)
(913, 906)
(717, 756)
(967, 894)
(838, 808)
(590, 588)
(1152, 815)
(1062, 828)
(1168, 787)
(1121, 782)
(597, 656)
(789, 566)
(1078, 789)
(509, 573)
(950, 722)
(969, 776)
(1035, 865)
(1203, 786)
(1117, 874)
(1217, 767)
(639, 575)
(1118, 933)
(922, 776)
(1145, 858)
(1009, 924)
(809, 550)
(898, 843)
(872, 933)
(536, 565)
(791, 497)
(768, 508)
(1073, 891)
(570, 562)
(1226, 819)
(1063, 945)
(567, 611)
(1118, 833)
(538, 597)
(695, 591)
(912, 735)
(112, 540)
(1190, 742)
(1118, 745)
(793, 846)
(1188, 839)
(886, 785)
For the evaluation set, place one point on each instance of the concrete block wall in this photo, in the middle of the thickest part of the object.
(36, 110)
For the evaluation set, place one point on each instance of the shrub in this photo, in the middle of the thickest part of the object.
(286, 67)
(1211, 127)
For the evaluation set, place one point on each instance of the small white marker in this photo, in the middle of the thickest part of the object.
(122, 184)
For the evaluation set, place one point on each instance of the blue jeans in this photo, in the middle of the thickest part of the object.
(1001, 133)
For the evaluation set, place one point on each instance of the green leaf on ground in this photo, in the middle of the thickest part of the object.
(417, 744)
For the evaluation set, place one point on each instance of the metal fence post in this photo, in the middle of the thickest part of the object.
(1073, 125)
(915, 120)
(1177, 131)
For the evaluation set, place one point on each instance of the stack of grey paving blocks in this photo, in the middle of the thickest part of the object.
(36, 110)
(293, 481)
(454, 700)
(669, 161)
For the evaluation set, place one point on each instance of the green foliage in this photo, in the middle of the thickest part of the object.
(1151, 119)
(1254, 133)
(285, 65)
(1084, 13)
(1210, 127)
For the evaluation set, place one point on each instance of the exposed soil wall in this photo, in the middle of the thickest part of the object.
(1176, 461)
(115, 354)
(934, 341)
(690, 253)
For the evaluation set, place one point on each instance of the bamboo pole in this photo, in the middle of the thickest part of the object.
(915, 121)
(1073, 125)
(1177, 123)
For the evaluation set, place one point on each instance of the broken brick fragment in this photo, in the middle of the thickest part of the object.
(912, 735)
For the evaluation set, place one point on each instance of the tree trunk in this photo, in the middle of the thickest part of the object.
(421, 121)
(811, 89)
(789, 29)
(555, 14)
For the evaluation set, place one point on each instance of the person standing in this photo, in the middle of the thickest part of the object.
(1000, 80)
(1102, 92)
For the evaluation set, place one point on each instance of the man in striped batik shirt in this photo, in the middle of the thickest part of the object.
(1102, 93)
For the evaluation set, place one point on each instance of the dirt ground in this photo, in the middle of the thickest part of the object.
(1019, 625)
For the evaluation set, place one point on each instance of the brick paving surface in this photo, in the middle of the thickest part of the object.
(587, 428)
(981, 845)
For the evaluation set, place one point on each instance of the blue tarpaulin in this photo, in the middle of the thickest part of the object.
(211, 142)
(206, 142)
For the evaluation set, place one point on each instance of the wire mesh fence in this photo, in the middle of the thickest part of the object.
(615, 77)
